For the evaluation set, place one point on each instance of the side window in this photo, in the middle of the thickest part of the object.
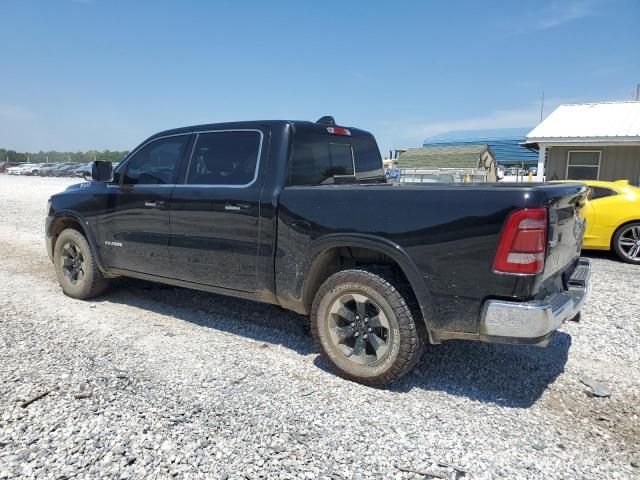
(318, 158)
(154, 163)
(368, 159)
(225, 158)
(600, 192)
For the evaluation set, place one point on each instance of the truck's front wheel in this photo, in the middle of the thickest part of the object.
(76, 266)
(364, 328)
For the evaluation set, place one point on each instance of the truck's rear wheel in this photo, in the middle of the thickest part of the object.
(76, 266)
(364, 328)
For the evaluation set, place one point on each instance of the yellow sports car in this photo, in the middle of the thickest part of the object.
(612, 212)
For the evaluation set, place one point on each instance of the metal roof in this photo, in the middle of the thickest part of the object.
(605, 122)
(459, 156)
(505, 143)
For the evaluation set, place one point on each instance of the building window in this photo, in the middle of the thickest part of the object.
(583, 165)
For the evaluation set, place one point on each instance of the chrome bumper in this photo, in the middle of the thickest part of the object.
(534, 322)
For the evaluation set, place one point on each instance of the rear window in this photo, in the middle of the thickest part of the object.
(317, 159)
(600, 192)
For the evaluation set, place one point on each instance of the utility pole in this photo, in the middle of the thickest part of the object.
(542, 106)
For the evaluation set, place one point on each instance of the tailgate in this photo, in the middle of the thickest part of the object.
(566, 225)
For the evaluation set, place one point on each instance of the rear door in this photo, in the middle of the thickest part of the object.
(134, 229)
(215, 211)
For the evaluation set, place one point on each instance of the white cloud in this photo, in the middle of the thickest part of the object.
(404, 134)
(10, 113)
(555, 14)
(399, 134)
(559, 13)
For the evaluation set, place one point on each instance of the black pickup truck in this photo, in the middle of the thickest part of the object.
(299, 214)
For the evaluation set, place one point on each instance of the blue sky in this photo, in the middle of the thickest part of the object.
(83, 74)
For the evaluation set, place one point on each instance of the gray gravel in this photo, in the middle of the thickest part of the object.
(155, 381)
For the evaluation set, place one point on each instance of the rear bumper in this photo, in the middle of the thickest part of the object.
(535, 322)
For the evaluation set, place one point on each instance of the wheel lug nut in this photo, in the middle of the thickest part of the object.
(357, 334)
(365, 336)
(370, 329)
(353, 324)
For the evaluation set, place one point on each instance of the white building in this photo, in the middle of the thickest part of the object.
(589, 141)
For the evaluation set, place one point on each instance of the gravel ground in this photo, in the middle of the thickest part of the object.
(151, 381)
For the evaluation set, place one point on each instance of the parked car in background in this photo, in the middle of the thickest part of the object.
(63, 167)
(23, 169)
(5, 165)
(79, 172)
(300, 214)
(31, 169)
(612, 212)
(47, 168)
(66, 170)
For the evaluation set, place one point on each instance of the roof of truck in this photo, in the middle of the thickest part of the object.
(298, 125)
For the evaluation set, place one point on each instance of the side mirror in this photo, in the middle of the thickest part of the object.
(98, 171)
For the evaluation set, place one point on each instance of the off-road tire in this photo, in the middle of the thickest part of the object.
(405, 343)
(616, 245)
(92, 283)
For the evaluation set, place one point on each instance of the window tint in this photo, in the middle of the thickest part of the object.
(224, 158)
(368, 159)
(317, 158)
(154, 164)
(600, 192)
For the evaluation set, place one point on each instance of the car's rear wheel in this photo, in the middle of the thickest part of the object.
(626, 242)
(76, 267)
(364, 328)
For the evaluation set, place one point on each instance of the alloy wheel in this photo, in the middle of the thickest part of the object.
(629, 243)
(359, 329)
(72, 263)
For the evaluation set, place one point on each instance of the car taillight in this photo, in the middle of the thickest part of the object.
(338, 131)
(523, 241)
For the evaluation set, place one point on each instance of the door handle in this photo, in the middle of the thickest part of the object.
(155, 203)
(235, 207)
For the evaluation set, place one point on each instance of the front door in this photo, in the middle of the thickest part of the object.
(215, 213)
(135, 228)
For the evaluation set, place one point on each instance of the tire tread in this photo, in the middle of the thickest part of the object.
(96, 283)
(411, 336)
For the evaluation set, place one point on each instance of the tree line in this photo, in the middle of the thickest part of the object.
(55, 157)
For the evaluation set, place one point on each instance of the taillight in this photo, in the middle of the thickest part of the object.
(523, 242)
(338, 131)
